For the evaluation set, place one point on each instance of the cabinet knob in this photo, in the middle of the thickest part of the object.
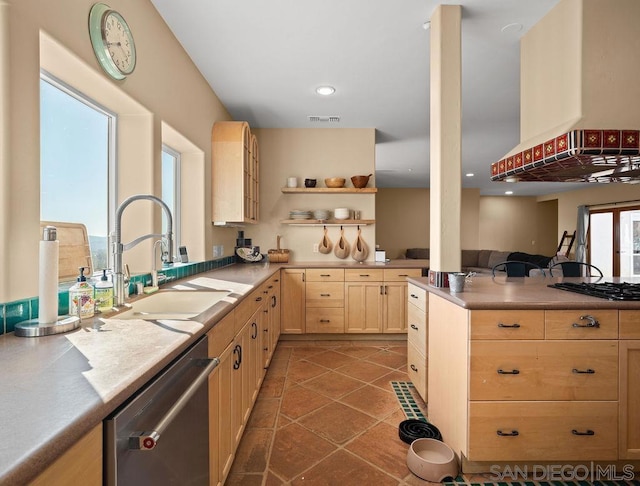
(512, 326)
(591, 322)
(513, 433)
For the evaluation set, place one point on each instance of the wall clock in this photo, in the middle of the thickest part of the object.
(112, 41)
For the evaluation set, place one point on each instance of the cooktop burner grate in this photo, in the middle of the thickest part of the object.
(604, 290)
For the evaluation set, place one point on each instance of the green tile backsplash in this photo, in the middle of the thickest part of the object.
(11, 313)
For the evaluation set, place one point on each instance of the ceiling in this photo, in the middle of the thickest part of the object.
(264, 60)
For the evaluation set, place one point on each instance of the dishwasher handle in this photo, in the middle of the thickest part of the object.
(146, 441)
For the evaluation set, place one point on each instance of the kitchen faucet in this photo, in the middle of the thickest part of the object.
(118, 248)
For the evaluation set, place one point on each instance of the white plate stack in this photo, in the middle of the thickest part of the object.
(299, 214)
(321, 214)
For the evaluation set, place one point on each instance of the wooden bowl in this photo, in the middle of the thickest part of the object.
(334, 182)
(360, 181)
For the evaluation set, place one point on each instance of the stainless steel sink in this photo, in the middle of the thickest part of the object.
(172, 304)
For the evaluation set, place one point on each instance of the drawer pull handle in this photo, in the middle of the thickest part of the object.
(513, 433)
(588, 371)
(325, 295)
(325, 320)
(365, 275)
(403, 275)
(592, 322)
(512, 326)
(586, 432)
(325, 275)
(414, 296)
(258, 299)
(413, 326)
(413, 367)
(512, 372)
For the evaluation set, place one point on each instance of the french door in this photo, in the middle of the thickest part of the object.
(614, 241)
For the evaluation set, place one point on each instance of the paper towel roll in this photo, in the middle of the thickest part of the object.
(48, 284)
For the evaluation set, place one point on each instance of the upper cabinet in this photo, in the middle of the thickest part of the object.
(234, 173)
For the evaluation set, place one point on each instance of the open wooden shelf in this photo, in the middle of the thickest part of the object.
(329, 190)
(329, 222)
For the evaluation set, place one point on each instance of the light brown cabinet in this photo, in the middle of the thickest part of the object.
(292, 313)
(81, 464)
(544, 385)
(324, 300)
(417, 338)
(234, 173)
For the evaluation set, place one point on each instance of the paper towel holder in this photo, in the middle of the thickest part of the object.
(33, 328)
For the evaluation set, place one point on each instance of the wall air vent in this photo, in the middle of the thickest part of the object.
(324, 118)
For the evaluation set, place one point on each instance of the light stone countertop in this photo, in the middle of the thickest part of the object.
(486, 292)
(55, 389)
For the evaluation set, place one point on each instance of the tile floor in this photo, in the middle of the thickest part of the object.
(327, 414)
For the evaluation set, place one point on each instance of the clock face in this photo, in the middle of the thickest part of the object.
(112, 41)
(119, 42)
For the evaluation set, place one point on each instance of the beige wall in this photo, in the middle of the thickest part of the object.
(499, 223)
(165, 88)
(568, 202)
(314, 153)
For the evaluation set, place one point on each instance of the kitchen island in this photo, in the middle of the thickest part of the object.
(524, 375)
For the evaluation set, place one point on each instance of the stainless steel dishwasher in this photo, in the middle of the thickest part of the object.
(161, 435)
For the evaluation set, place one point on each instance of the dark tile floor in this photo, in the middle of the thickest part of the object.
(327, 415)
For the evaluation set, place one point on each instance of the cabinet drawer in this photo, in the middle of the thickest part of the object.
(417, 296)
(319, 320)
(324, 294)
(417, 328)
(545, 431)
(581, 324)
(400, 274)
(363, 275)
(325, 275)
(221, 335)
(247, 307)
(507, 324)
(417, 370)
(629, 324)
(543, 370)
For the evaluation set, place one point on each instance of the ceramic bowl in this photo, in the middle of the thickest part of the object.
(432, 460)
(310, 183)
(334, 182)
(341, 213)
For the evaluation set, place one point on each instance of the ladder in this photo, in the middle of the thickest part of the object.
(566, 244)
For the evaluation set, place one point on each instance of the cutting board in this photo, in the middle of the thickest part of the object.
(74, 249)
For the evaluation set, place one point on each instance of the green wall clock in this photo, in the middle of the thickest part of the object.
(112, 41)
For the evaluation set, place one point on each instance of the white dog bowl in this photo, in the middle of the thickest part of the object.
(432, 460)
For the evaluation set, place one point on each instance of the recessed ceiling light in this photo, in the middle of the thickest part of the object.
(325, 90)
(512, 28)
(508, 193)
(426, 25)
(469, 174)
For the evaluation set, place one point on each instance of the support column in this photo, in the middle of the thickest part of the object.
(445, 142)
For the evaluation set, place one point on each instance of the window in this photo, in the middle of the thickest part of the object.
(171, 189)
(615, 241)
(76, 163)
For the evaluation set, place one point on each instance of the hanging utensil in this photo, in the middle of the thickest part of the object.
(360, 249)
(341, 249)
(325, 245)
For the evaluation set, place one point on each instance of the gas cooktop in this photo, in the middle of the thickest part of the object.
(604, 290)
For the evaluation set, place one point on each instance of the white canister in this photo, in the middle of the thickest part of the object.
(292, 182)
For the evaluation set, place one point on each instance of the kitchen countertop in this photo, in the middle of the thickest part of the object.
(486, 292)
(98, 366)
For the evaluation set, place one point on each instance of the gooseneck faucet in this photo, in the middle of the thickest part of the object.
(118, 248)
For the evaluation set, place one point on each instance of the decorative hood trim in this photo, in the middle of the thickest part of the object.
(576, 156)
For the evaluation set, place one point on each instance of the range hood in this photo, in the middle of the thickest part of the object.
(580, 96)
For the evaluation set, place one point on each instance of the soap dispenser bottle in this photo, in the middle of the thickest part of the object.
(81, 301)
(104, 293)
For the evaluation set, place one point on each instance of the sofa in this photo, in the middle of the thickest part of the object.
(483, 261)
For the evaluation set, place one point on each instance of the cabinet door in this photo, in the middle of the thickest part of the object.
(395, 308)
(222, 437)
(363, 307)
(293, 301)
(274, 314)
(629, 399)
